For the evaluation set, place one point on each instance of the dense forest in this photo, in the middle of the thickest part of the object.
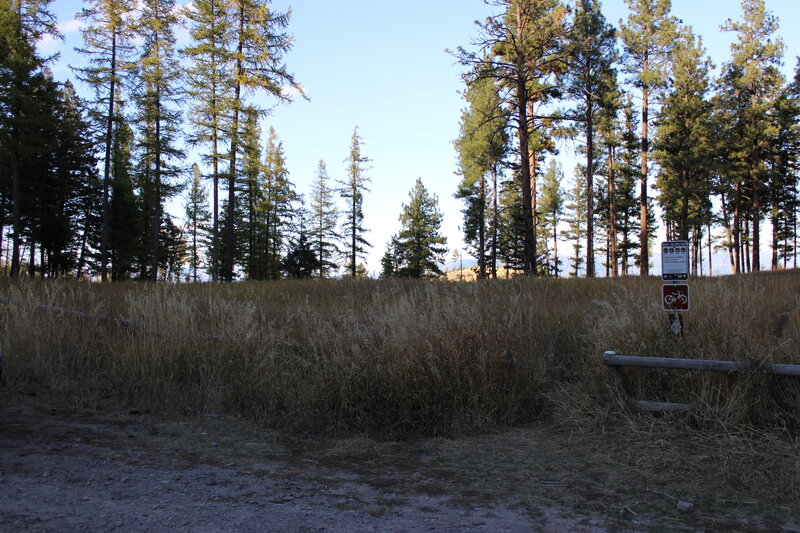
(86, 178)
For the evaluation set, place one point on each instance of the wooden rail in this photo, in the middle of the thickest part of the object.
(617, 362)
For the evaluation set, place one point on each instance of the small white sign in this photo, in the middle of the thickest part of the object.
(675, 260)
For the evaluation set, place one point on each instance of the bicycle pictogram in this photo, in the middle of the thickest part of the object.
(675, 297)
(681, 298)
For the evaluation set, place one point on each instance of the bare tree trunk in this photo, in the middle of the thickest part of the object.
(644, 254)
(215, 236)
(494, 221)
(756, 255)
(612, 214)
(737, 229)
(710, 265)
(157, 215)
(482, 231)
(237, 99)
(589, 189)
(106, 220)
(555, 246)
(683, 223)
(746, 251)
(775, 239)
(16, 217)
(32, 260)
(529, 241)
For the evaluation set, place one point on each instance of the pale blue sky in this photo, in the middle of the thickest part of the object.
(382, 66)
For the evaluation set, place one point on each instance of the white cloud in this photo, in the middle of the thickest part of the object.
(48, 45)
(293, 92)
(70, 26)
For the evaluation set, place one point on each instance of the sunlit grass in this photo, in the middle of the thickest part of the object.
(401, 357)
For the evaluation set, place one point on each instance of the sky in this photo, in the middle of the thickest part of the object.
(383, 66)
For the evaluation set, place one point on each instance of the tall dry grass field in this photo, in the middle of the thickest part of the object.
(400, 357)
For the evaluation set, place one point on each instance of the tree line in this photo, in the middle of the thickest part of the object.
(85, 182)
(645, 115)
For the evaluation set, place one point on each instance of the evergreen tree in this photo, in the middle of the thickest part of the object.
(277, 209)
(750, 86)
(576, 200)
(648, 38)
(22, 80)
(125, 220)
(301, 261)
(197, 218)
(628, 173)
(420, 245)
(174, 250)
(391, 260)
(251, 196)
(610, 140)
(683, 141)
(782, 179)
(209, 80)
(73, 165)
(482, 146)
(107, 42)
(511, 228)
(552, 205)
(591, 83)
(156, 96)
(324, 221)
(260, 43)
(521, 48)
(352, 190)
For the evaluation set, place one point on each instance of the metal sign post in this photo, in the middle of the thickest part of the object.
(674, 269)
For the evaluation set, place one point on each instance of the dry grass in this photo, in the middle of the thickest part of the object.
(403, 358)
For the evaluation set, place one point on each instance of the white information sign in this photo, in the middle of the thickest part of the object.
(675, 260)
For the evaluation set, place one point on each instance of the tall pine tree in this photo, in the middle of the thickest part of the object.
(648, 37)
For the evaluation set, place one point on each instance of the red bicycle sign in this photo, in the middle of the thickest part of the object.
(675, 297)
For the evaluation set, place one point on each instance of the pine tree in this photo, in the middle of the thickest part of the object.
(156, 96)
(683, 141)
(277, 208)
(648, 38)
(260, 43)
(391, 260)
(782, 180)
(576, 200)
(301, 260)
(352, 190)
(521, 48)
(209, 80)
(22, 24)
(627, 174)
(552, 205)
(251, 194)
(482, 146)
(73, 164)
(511, 228)
(591, 83)
(324, 222)
(420, 245)
(107, 42)
(610, 140)
(750, 86)
(197, 218)
(125, 218)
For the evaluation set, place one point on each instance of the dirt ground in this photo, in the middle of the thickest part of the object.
(63, 468)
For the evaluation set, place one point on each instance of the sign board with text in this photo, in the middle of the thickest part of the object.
(675, 297)
(675, 260)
